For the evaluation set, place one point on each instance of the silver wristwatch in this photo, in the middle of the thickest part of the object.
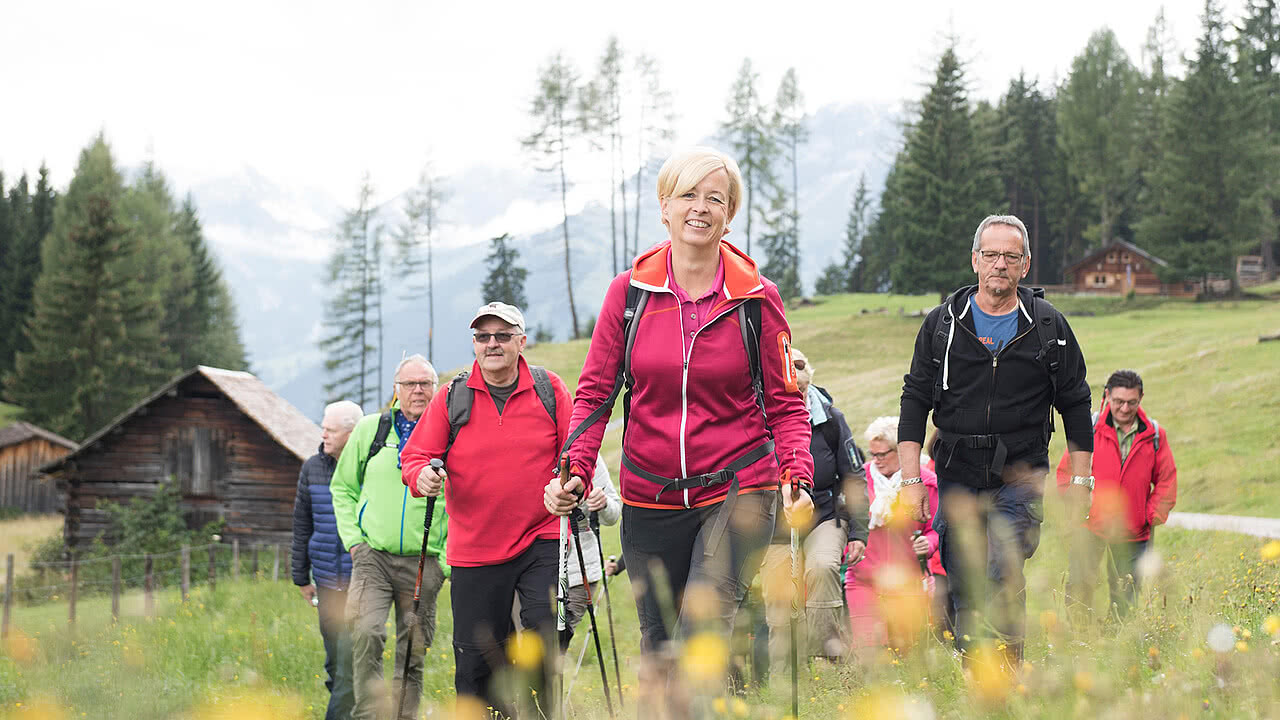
(1083, 480)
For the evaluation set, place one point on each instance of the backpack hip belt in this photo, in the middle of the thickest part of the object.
(719, 477)
(994, 442)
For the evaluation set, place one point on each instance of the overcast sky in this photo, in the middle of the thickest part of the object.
(316, 93)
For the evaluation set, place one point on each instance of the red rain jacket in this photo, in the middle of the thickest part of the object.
(1128, 498)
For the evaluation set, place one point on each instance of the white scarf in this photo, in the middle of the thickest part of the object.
(886, 492)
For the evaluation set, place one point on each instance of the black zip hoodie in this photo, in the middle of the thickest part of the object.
(986, 394)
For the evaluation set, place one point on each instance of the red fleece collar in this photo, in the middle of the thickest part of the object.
(741, 277)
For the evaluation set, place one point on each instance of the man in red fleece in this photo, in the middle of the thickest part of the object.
(502, 542)
(1135, 487)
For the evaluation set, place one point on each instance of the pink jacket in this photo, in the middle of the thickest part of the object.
(698, 415)
(892, 543)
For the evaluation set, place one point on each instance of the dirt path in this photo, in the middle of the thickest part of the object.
(1256, 526)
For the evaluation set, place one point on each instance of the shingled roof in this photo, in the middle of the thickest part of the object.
(282, 421)
(21, 432)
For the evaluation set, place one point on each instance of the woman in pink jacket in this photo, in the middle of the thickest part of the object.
(706, 441)
(889, 594)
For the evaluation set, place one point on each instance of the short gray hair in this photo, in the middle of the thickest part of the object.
(345, 412)
(883, 428)
(1010, 220)
(418, 359)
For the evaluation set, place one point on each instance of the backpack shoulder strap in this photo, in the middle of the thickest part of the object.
(636, 300)
(749, 322)
(938, 344)
(385, 421)
(1155, 439)
(458, 401)
(1044, 317)
(545, 390)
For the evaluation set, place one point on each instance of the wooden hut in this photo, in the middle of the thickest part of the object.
(1120, 267)
(23, 449)
(232, 445)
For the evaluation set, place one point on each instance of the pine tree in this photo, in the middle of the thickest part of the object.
(8, 321)
(28, 218)
(163, 259)
(604, 110)
(1258, 72)
(1209, 167)
(944, 185)
(1097, 129)
(844, 274)
(505, 281)
(211, 333)
(414, 241)
(95, 341)
(1154, 83)
(782, 258)
(791, 131)
(1028, 157)
(557, 128)
(353, 314)
(749, 136)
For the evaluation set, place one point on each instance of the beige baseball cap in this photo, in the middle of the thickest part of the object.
(507, 313)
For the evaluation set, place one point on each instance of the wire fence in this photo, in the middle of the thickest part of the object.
(187, 567)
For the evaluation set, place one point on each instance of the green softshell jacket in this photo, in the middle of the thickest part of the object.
(382, 513)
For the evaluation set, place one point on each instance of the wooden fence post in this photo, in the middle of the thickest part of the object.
(148, 602)
(115, 589)
(8, 595)
(235, 558)
(71, 596)
(213, 564)
(254, 566)
(275, 563)
(186, 571)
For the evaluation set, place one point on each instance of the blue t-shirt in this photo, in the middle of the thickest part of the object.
(995, 331)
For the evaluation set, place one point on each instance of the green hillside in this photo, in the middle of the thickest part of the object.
(1209, 382)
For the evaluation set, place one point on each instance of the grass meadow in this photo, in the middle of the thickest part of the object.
(1204, 641)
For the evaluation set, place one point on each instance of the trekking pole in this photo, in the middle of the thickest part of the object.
(796, 584)
(562, 597)
(924, 563)
(574, 517)
(608, 604)
(412, 621)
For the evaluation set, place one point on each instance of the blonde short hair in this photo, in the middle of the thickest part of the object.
(883, 428)
(686, 168)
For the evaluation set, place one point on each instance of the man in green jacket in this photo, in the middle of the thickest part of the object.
(381, 523)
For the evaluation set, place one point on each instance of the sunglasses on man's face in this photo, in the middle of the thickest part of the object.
(501, 337)
(799, 363)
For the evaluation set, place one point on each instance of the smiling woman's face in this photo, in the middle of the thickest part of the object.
(698, 216)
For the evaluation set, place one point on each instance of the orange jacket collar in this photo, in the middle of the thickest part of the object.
(741, 277)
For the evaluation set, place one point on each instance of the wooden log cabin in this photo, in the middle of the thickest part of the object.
(232, 445)
(24, 448)
(1122, 267)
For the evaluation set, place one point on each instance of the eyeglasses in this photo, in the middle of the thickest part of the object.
(502, 337)
(419, 384)
(883, 455)
(1126, 403)
(990, 256)
(799, 363)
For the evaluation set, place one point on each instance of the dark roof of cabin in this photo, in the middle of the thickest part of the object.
(283, 422)
(21, 432)
(1121, 244)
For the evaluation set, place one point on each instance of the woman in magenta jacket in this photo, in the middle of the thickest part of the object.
(888, 592)
(703, 456)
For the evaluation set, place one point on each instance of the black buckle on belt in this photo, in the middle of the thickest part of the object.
(979, 442)
(705, 480)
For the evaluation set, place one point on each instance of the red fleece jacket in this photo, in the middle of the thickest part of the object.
(1129, 497)
(694, 418)
(497, 468)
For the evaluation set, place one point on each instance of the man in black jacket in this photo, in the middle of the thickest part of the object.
(992, 362)
(318, 552)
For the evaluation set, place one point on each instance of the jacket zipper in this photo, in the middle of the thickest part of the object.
(995, 365)
(684, 383)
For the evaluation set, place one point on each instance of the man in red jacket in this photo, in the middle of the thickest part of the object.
(502, 542)
(1135, 486)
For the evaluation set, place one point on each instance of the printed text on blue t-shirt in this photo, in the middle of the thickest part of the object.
(995, 331)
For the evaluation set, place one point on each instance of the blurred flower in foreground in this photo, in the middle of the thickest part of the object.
(525, 650)
(40, 709)
(1271, 551)
(467, 707)
(990, 680)
(1221, 638)
(885, 704)
(20, 647)
(254, 706)
(705, 658)
(1271, 625)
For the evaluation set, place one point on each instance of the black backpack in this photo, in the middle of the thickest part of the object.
(748, 320)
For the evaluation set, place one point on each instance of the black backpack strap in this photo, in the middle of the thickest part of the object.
(385, 421)
(543, 387)
(938, 345)
(458, 401)
(637, 298)
(1043, 316)
(749, 322)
